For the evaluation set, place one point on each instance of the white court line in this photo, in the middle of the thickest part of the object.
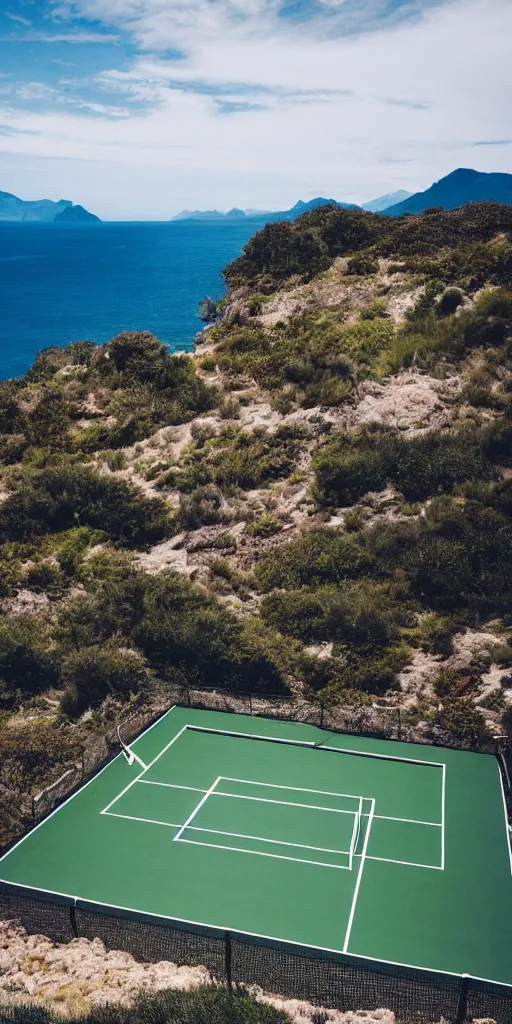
(196, 809)
(260, 839)
(352, 841)
(282, 803)
(408, 863)
(507, 836)
(236, 835)
(443, 815)
(411, 821)
(139, 776)
(278, 842)
(313, 746)
(296, 789)
(171, 785)
(359, 877)
(259, 853)
(131, 817)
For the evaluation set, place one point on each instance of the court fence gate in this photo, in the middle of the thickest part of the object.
(331, 980)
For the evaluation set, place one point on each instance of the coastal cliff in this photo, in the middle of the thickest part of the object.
(316, 504)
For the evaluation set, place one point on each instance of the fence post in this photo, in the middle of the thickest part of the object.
(399, 710)
(250, 703)
(462, 1004)
(228, 961)
(321, 716)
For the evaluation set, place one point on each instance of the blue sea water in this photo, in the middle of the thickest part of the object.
(62, 283)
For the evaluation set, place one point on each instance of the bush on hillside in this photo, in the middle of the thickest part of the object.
(58, 499)
(351, 465)
(94, 673)
(27, 666)
(362, 264)
(30, 752)
(319, 557)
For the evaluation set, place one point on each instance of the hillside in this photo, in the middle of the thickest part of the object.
(317, 504)
(456, 189)
(41, 211)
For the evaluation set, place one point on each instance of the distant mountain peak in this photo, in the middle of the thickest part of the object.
(383, 202)
(462, 186)
(43, 211)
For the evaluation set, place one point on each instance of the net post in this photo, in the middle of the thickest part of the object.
(72, 920)
(228, 961)
(462, 1003)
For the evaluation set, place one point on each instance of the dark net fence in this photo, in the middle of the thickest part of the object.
(334, 981)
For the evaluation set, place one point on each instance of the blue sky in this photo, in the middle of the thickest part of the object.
(139, 108)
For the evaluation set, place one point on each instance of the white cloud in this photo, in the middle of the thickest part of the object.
(351, 116)
(18, 18)
(67, 37)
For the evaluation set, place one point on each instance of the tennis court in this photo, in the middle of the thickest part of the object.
(389, 851)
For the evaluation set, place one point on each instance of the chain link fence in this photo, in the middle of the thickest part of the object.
(337, 981)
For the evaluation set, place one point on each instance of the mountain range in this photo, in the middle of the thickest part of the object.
(267, 215)
(42, 211)
(462, 186)
(458, 188)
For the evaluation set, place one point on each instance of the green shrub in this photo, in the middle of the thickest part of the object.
(203, 432)
(460, 723)
(27, 666)
(351, 465)
(208, 364)
(34, 753)
(229, 409)
(115, 460)
(256, 303)
(92, 674)
(59, 499)
(203, 507)
(251, 460)
(502, 654)
(44, 577)
(457, 558)
(283, 403)
(363, 264)
(375, 310)
(265, 526)
(319, 557)
(496, 302)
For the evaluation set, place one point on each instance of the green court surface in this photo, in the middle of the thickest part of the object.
(390, 851)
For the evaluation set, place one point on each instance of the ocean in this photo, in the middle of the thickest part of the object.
(91, 281)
